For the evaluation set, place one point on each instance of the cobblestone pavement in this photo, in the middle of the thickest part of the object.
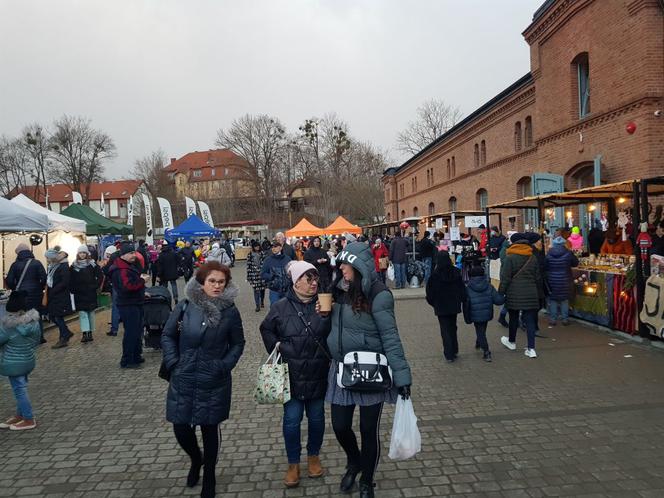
(586, 418)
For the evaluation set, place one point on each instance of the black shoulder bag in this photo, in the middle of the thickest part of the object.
(165, 373)
(307, 328)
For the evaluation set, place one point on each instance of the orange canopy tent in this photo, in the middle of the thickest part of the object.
(341, 225)
(304, 229)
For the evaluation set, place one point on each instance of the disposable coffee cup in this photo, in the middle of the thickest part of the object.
(325, 301)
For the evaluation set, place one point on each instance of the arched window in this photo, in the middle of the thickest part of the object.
(581, 80)
(482, 199)
(581, 176)
(415, 211)
(528, 138)
(403, 214)
(524, 187)
(387, 218)
(432, 208)
(517, 136)
(483, 153)
(476, 155)
(452, 203)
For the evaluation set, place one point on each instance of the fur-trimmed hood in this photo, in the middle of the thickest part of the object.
(15, 320)
(212, 307)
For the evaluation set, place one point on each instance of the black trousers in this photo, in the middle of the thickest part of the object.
(342, 423)
(448, 332)
(186, 436)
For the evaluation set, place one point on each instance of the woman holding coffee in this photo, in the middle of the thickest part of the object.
(362, 320)
(294, 328)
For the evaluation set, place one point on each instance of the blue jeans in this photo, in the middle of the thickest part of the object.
(87, 320)
(115, 313)
(293, 412)
(259, 297)
(480, 335)
(529, 318)
(400, 275)
(554, 306)
(60, 322)
(427, 268)
(275, 296)
(20, 387)
(132, 318)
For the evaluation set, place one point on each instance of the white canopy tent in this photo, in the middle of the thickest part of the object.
(21, 217)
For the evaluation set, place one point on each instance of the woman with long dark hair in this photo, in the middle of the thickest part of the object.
(446, 293)
(202, 342)
(362, 320)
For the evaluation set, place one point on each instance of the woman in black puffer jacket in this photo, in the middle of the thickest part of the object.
(33, 282)
(200, 354)
(304, 348)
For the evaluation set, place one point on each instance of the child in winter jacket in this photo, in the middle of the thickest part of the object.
(19, 337)
(478, 308)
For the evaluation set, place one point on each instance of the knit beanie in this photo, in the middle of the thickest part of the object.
(576, 230)
(559, 241)
(126, 248)
(298, 268)
(22, 247)
(83, 248)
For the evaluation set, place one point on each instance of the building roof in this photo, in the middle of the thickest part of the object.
(117, 189)
(517, 85)
(543, 8)
(224, 163)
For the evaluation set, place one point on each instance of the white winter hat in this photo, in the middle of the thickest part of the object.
(299, 268)
(109, 250)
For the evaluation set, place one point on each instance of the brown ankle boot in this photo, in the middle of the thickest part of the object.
(292, 478)
(315, 468)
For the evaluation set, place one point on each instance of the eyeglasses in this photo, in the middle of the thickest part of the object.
(312, 278)
(215, 283)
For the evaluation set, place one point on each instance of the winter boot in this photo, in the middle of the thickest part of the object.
(348, 480)
(292, 478)
(315, 468)
(367, 490)
(195, 471)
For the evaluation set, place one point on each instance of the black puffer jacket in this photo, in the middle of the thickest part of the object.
(34, 280)
(210, 344)
(312, 255)
(308, 363)
(84, 283)
(59, 300)
(167, 262)
(445, 290)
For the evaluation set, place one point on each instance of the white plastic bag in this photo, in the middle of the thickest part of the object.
(406, 441)
(390, 272)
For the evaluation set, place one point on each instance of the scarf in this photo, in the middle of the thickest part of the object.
(51, 272)
(81, 264)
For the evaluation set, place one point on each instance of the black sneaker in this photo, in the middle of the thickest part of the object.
(112, 333)
(487, 356)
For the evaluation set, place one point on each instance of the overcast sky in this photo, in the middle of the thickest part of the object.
(169, 73)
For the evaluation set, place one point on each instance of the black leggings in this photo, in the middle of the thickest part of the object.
(342, 423)
(186, 436)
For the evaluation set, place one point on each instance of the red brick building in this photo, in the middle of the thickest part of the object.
(596, 65)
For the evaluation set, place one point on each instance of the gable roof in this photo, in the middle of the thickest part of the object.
(517, 85)
(60, 192)
(96, 224)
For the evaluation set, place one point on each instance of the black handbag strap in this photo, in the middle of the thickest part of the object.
(180, 318)
(307, 328)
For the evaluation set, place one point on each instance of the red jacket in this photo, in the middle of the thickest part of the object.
(380, 252)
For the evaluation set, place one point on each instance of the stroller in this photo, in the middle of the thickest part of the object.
(156, 310)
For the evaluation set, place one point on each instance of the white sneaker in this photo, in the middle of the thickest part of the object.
(530, 353)
(506, 342)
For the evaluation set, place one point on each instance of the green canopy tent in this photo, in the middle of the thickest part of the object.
(96, 224)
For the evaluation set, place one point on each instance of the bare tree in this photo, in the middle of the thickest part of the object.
(15, 165)
(150, 169)
(261, 140)
(35, 139)
(434, 117)
(78, 152)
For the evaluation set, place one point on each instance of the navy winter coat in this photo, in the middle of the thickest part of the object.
(34, 280)
(481, 296)
(128, 286)
(274, 273)
(201, 356)
(308, 362)
(398, 250)
(168, 262)
(559, 264)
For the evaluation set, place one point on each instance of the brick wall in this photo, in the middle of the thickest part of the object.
(624, 40)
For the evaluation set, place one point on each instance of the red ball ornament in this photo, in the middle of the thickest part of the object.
(631, 127)
(404, 225)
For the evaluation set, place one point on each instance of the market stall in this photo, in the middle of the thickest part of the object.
(340, 226)
(608, 284)
(96, 224)
(191, 228)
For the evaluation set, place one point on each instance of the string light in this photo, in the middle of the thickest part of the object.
(621, 200)
(592, 207)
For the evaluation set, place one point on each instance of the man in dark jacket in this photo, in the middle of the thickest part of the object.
(495, 243)
(130, 289)
(33, 282)
(303, 348)
(559, 264)
(143, 249)
(427, 252)
(398, 250)
(187, 258)
(274, 273)
(167, 262)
